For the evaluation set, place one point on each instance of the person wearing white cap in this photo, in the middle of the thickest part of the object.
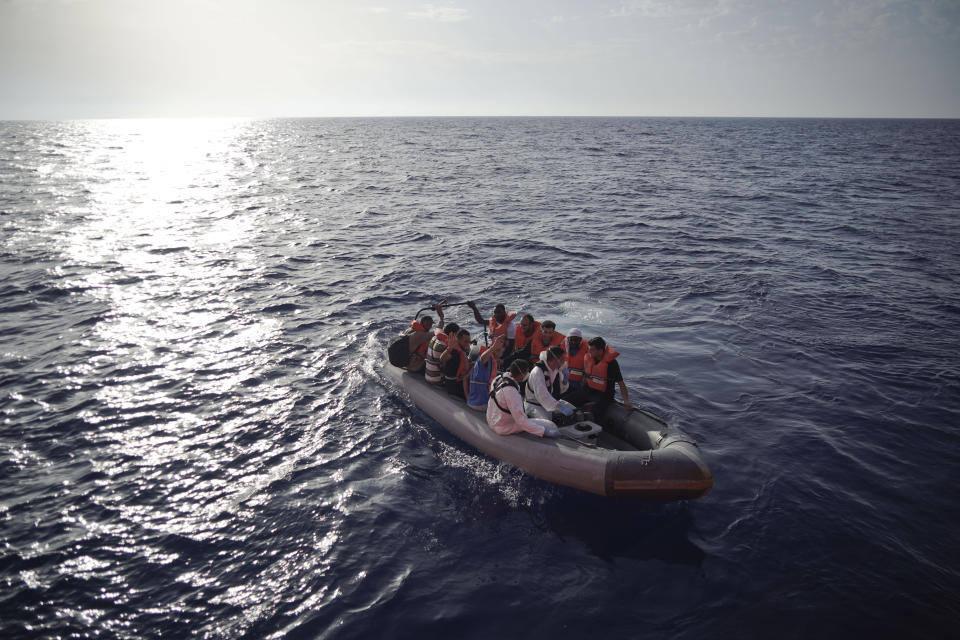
(576, 351)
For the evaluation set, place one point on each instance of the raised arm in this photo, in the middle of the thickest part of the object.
(625, 396)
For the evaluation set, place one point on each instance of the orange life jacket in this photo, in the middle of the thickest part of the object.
(536, 345)
(500, 328)
(464, 365)
(520, 339)
(422, 349)
(575, 361)
(596, 372)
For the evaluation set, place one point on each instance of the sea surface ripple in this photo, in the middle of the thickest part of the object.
(197, 439)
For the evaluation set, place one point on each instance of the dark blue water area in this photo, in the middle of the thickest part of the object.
(197, 439)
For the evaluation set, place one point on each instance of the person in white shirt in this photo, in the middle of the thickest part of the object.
(505, 413)
(546, 383)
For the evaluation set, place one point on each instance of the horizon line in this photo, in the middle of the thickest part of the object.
(481, 116)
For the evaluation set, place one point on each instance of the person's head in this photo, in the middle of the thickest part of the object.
(526, 323)
(426, 322)
(519, 370)
(500, 313)
(499, 344)
(597, 345)
(463, 337)
(575, 337)
(451, 329)
(547, 327)
(555, 357)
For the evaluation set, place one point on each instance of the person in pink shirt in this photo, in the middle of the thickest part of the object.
(505, 413)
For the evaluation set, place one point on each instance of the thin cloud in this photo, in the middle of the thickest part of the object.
(441, 14)
(670, 8)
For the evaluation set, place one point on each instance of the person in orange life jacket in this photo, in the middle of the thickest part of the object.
(545, 385)
(528, 332)
(601, 372)
(419, 332)
(456, 365)
(549, 337)
(576, 350)
(505, 413)
(432, 371)
(501, 324)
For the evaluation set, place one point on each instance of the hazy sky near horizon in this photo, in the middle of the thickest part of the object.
(143, 58)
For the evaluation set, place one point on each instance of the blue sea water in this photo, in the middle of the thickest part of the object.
(197, 439)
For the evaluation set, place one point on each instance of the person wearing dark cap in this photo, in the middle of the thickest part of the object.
(505, 414)
(545, 385)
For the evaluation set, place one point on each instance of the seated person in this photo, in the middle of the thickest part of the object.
(420, 334)
(601, 372)
(528, 332)
(435, 348)
(549, 337)
(545, 384)
(576, 350)
(456, 365)
(484, 372)
(505, 413)
(501, 324)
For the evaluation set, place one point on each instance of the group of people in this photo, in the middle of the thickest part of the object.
(530, 368)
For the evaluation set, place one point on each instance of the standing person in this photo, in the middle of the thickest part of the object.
(456, 365)
(505, 408)
(601, 372)
(482, 375)
(576, 350)
(545, 384)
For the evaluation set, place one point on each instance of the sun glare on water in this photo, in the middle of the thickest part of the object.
(155, 240)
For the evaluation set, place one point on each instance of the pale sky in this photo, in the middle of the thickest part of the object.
(144, 58)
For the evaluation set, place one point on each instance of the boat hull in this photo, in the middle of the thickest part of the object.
(660, 463)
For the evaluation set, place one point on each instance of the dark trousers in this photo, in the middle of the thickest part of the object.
(522, 354)
(454, 388)
(587, 396)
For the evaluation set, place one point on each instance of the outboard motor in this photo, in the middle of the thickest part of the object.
(578, 416)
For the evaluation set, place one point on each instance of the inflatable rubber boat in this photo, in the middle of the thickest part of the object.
(631, 453)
